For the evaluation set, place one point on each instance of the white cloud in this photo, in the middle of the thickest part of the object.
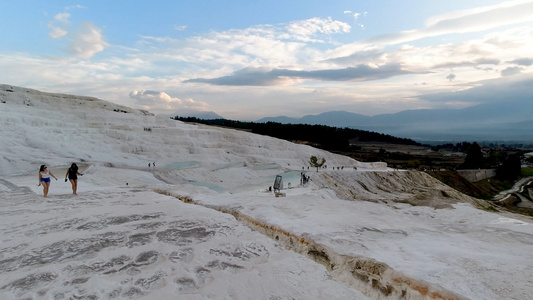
(180, 27)
(226, 51)
(147, 97)
(62, 18)
(84, 43)
(305, 30)
(472, 20)
(219, 53)
(479, 57)
(467, 13)
(56, 32)
(160, 101)
(88, 41)
(512, 12)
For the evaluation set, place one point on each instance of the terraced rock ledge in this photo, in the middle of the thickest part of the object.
(375, 279)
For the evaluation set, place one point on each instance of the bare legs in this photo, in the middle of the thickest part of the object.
(46, 186)
(74, 183)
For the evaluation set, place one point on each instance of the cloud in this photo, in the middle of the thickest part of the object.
(180, 27)
(511, 88)
(245, 77)
(284, 44)
(84, 43)
(88, 41)
(306, 29)
(56, 31)
(62, 18)
(263, 77)
(473, 20)
(471, 60)
(472, 63)
(511, 71)
(355, 15)
(522, 61)
(161, 101)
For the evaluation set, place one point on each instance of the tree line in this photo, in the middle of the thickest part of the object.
(320, 136)
(508, 166)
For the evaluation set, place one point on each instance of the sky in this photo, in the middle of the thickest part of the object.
(251, 59)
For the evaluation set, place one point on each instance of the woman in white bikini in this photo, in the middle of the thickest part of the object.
(44, 179)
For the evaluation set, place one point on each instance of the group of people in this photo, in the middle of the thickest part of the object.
(72, 175)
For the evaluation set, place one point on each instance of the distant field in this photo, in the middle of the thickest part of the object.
(375, 146)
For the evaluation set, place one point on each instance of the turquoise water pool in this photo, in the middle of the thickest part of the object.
(292, 177)
(208, 185)
(180, 165)
(230, 165)
(266, 167)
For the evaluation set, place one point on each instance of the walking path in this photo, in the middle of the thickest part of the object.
(518, 187)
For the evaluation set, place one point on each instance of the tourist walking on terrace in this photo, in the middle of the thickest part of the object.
(44, 179)
(72, 174)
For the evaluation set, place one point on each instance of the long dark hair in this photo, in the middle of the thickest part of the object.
(42, 168)
(74, 167)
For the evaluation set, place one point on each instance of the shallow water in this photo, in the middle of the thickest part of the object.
(292, 177)
(208, 185)
(180, 165)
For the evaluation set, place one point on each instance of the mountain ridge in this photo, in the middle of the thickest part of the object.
(493, 121)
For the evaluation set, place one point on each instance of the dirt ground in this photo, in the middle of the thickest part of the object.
(406, 156)
(439, 164)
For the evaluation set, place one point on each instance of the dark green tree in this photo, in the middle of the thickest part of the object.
(382, 152)
(474, 158)
(495, 159)
(316, 163)
(511, 168)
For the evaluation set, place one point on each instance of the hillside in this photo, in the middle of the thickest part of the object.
(202, 223)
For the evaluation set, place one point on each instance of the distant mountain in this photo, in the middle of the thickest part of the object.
(503, 121)
(331, 118)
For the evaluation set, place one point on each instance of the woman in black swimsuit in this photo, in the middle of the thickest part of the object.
(72, 174)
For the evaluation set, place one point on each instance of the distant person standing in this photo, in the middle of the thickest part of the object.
(44, 179)
(72, 174)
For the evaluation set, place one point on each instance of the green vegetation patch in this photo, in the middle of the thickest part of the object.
(528, 171)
